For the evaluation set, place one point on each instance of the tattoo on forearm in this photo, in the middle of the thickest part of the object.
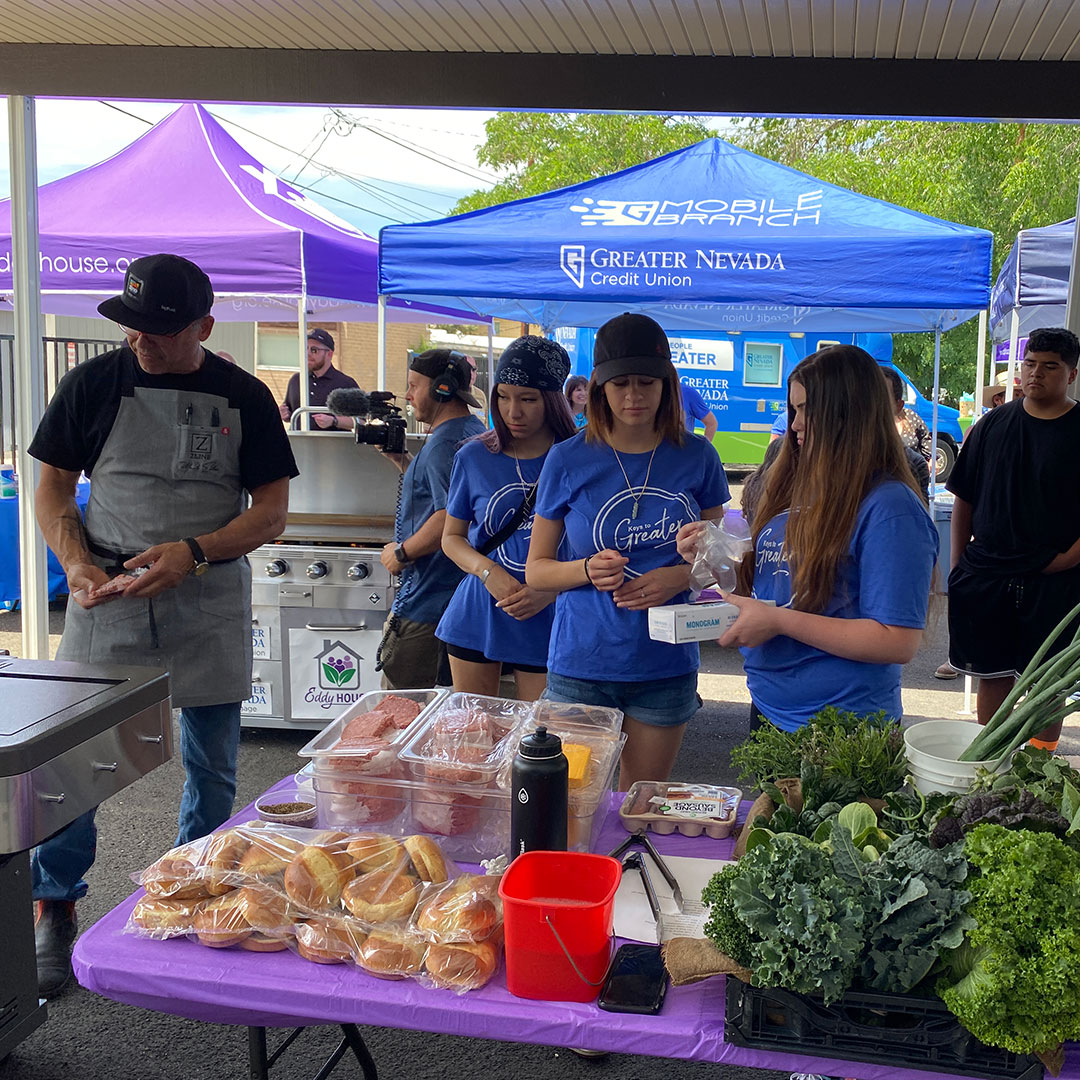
(71, 529)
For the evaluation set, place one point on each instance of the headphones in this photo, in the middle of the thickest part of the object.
(455, 375)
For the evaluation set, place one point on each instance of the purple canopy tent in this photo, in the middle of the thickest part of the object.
(188, 187)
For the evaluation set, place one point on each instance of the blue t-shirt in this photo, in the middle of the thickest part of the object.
(428, 583)
(694, 406)
(779, 426)
(486, 491)
(583, 487)
(885, 577)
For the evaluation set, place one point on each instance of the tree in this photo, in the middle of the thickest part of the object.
(544, 151)
(1000, 177)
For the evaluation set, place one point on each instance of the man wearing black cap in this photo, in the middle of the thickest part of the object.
(322, 378)
(175, 441)
(439, 391)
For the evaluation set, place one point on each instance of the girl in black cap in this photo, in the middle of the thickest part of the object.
(610, 503)
(494, 618)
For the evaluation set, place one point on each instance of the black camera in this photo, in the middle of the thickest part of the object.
(385, 427)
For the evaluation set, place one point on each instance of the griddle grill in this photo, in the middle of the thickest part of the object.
(71, 735)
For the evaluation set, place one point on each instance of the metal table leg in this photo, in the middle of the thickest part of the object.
(259, 1062)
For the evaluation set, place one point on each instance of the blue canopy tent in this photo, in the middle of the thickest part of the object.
(708, 237)
(1032, 283)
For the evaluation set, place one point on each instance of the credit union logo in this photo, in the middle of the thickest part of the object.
(572, 261)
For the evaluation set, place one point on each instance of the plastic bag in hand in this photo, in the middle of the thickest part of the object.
(720, 548)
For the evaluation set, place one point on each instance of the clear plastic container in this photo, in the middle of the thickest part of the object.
(463, 740)
(329, 742)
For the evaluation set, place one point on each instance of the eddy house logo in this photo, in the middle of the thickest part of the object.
(339, 667)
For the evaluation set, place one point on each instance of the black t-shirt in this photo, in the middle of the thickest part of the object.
(83, 410)
(1019, 474)
(318, 387)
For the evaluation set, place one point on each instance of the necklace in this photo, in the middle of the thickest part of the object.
(517, 466)
(629, 486)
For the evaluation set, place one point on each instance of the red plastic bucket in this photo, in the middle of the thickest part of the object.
(558, 908)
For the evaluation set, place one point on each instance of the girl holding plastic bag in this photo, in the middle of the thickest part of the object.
(843, 548)
(617, 494)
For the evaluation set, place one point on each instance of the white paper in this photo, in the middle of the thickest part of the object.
(633, 916)
(260, 703)
(260, 642)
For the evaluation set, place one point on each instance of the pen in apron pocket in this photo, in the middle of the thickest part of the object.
(187, 414)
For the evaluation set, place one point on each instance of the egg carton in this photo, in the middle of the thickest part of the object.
(691, 809)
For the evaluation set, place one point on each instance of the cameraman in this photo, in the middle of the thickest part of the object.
(439, 390)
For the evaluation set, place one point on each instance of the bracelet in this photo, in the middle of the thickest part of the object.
(484, 575)
(587, 577)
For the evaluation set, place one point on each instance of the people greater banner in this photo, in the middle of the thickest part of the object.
(175, 441)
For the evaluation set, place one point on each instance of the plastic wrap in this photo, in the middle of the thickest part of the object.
(720, 548)
(330, 895)
(692, 809)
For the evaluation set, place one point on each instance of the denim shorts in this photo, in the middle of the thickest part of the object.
(658, 703)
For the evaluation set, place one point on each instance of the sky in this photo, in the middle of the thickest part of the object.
(373, 167)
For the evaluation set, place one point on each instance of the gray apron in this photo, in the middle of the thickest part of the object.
(169, 468)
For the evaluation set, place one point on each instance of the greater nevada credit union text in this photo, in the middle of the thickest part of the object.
(646, 268)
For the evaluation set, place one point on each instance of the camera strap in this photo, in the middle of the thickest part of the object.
(504, 534)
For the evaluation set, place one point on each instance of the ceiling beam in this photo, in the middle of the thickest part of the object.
(736, 86)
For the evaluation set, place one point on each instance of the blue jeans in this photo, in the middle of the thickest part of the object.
(209, 740)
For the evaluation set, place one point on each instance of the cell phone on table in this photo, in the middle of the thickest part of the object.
(636, 981)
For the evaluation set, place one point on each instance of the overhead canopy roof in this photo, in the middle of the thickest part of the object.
(1033, 281)
(711, 236)
(188, 187)
(965, 58)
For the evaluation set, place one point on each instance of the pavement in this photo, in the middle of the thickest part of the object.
(91, 1038)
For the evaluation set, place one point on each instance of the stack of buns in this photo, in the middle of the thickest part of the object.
(393, 906)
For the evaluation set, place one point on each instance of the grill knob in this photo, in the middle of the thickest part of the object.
(358, 571)
(318, 570)
(276, 568)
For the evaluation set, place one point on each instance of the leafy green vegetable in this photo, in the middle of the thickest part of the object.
(1015, 808)
(723, 927)
(1018, 985)
(807, 926)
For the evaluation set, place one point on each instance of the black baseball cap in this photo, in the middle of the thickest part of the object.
(322, 337)
(434, 364)
(162, 294)
(631, 344)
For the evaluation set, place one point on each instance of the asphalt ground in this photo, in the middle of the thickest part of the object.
(91, 1038)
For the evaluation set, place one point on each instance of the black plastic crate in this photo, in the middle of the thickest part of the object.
(904, 1030)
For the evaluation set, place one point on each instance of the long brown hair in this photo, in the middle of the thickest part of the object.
(851, 445)
(669, 422)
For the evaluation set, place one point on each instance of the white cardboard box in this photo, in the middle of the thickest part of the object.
(678, 623)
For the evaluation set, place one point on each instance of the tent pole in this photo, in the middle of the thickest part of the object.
(1014, 343)
(305, 379)
(934, 418)
(1072, 296)
(980, 365)
(29, 368)
(380, 345)
(491, 371)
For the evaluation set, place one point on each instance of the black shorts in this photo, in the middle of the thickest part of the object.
(474, 656)
(996, 624)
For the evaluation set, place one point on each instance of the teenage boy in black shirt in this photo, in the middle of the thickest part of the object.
(1016, 526)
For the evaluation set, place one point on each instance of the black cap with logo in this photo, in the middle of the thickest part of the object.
(163, 294)
(322, 337)
(631, 344)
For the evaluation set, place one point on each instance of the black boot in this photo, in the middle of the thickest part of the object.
(55, 927)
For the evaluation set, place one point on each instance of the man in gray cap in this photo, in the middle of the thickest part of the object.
(440, 393)
(175, 441)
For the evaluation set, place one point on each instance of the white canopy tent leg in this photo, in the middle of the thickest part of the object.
(1014, 343)
(491, 372)
(30, 370)
(934, 418)
(980, 366)
(967, 709)
(305, 375)
(380, 345)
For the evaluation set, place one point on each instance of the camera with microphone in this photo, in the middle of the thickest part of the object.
(383, 425)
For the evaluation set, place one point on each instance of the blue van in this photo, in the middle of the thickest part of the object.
(743, 378)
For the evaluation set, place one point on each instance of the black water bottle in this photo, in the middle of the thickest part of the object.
(538, 794)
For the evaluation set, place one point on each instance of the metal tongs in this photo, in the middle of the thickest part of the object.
(635, 861)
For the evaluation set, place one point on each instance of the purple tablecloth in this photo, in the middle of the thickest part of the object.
(232, 986)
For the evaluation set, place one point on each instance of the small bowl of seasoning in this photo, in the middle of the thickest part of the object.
(286, 808)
